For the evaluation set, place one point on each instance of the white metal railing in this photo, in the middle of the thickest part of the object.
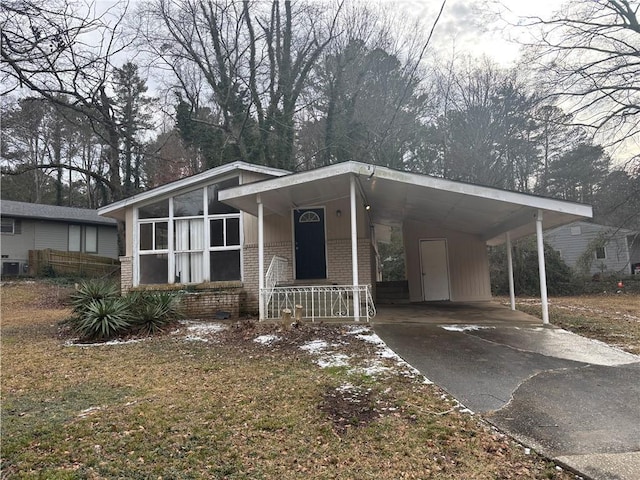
(320, 301)
(276, 273)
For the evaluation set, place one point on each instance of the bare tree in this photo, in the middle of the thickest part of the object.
(63, 52)
(588, 53)
(255, 58)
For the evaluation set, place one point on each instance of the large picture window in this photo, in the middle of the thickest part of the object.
(190, 238)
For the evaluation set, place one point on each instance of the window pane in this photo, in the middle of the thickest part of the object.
(188, 204)
(7, 225)
(216, 207)
(189, 268)
(162, 235)
(217, 232)
(153, 268)
(189, 234)
(155, 210)
(233, 231)
(91, 239)
(601, 253)
(146, 236)
(225, 265)
(74, 238)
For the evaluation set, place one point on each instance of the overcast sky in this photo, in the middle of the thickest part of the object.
(474, 26)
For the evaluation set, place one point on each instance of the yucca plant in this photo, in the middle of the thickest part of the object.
(92, 290)
(103, 319)
(153, 312)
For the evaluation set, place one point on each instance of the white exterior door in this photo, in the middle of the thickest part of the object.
(435, 270)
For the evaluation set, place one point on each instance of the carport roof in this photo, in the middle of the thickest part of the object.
(396, 196)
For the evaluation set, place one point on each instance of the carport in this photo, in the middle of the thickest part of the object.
(446, 225)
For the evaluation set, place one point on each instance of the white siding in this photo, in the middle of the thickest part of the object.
(468, 262)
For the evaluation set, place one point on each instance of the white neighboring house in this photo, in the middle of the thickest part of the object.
(31, 226)
(596, 249)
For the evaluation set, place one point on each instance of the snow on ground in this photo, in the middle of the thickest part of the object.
(464, 328)
(71, 343)
(202, 331)
(266, 339)
(330, 356)
(315, 346)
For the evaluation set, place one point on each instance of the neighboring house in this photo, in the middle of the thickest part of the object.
(596, 249)
(30, 226)
(246, 237)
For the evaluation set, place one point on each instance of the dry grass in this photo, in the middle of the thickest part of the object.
(611, 318)
(228, 407)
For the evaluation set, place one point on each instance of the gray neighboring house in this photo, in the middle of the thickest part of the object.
(613, 250)
(30, 226)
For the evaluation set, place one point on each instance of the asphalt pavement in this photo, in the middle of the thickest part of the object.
(572, 399)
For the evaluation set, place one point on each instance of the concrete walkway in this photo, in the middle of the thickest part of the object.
(573, 399)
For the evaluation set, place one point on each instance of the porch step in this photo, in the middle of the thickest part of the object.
(389, 293)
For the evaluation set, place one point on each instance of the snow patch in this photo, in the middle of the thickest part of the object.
(71, 343)
(464, 328)
(315, 346)
(334, 360)
(266, 339)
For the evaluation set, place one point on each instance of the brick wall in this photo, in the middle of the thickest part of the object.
(250, 253)
(339, 265)
(208, 303)
(126, 274)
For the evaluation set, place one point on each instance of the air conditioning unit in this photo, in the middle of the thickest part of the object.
(14, 268)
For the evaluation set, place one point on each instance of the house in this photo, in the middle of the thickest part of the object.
(247, 237)
(30, 226)
(596, 249)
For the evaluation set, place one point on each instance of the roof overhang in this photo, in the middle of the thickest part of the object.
(117, 209)
(395, 197)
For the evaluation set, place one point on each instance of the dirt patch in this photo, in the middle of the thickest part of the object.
(349, 406)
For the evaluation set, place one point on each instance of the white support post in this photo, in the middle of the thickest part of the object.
(512, 294)
(542, 270)
(261, 258)
(354, 248)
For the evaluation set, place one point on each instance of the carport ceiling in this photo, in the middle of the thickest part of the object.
(397, 196)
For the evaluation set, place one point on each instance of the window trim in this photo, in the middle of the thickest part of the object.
(85, 243)
(604, 252)
(3, 222)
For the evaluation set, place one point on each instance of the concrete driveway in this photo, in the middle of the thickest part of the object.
(573, 399)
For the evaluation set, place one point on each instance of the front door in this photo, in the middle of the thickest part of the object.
(435, 270)
(311, 259)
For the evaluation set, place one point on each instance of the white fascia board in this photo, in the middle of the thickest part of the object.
(295, 179)
(426, 181)
(192, 180)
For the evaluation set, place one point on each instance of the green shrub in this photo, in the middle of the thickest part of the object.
(153, 312)
(92, 290)
(560, 278)
(100, 313)
(102, 319)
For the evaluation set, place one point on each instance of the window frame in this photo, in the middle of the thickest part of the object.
(73, 227)
(602, 249)
(85, 243)
(171, 251)
(3, 223)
